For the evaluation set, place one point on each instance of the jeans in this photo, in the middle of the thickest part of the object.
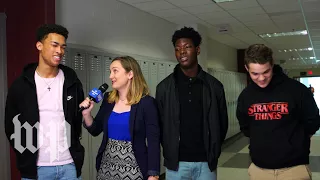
(192, 171)
(62, 172)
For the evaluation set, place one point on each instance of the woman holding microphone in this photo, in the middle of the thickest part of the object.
(128, 117)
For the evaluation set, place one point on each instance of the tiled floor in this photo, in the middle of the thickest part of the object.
(235, 160)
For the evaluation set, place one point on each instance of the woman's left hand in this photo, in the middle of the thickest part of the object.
(152, 178)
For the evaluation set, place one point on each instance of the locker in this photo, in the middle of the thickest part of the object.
(161, 72)
(145, 70)
(78, 63)
(95, 71)
(170, 68)
(65, 59)
(106, 71)
(233, 83)
(153, 77)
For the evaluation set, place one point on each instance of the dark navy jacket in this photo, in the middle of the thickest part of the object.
(144, 124)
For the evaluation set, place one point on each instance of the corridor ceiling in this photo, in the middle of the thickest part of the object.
(244, 20)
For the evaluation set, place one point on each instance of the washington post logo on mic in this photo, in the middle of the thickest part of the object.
(96, 95)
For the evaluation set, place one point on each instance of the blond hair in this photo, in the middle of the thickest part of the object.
(138, 87)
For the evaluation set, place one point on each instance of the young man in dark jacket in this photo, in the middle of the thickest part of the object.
(42, 122)
(193, 113)
(279, 115)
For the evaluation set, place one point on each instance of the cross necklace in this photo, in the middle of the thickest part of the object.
(49, 88)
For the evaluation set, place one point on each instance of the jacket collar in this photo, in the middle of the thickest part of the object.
(201, 74)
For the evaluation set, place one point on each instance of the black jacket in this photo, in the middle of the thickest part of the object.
(279, 120)
(22, 99)
(143, 125)
(215, 118)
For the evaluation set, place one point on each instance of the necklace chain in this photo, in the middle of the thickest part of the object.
(49, 88)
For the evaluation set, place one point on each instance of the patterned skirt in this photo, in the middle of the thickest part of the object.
(118, 162)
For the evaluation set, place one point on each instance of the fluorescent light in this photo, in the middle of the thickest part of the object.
(221, 1)
(280, 34)
(301, 49)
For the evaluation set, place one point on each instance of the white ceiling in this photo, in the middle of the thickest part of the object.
(246, 19)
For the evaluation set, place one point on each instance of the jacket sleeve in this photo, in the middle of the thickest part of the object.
(310, 112)
(11, 111)
(153, 136)
(159, 96)
(97, 125)
(223, 114)
(242, 117)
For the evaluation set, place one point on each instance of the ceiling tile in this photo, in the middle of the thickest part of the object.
(314, 32)
(241, 4)
(273, 2)
(311, 5)
(315, 38)
(214, 15)
(316, 43)
(259, 23)
(255, 18)
(169, 13)
(154, 6)
(187, 3)
(182, 20)
(291, 26)
(135, 1)
(287, 16)
(222, 21)
(312, 16)
(199, 21)
(222, 37)
(207, 8)
(314, 24)
(262, 29)
(237, 45)
(245, 35)
(249, 38)
(288, 42)
(238, 28)
(282, 7)
(247, 11)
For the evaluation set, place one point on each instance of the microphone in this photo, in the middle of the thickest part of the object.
(96, 95)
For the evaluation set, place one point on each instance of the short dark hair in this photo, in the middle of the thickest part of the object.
(258, 53)
(187, 32)
(46, 29)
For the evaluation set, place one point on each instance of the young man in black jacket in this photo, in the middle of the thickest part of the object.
(193, 114)
(279, 115)
(42, 122)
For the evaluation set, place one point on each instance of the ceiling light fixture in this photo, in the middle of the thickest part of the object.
(301, 49)
(281, 34)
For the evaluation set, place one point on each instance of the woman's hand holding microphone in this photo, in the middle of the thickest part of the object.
(86, 113)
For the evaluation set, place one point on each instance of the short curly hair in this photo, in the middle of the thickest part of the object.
(258, 53)
(187, 32)
(46, 29)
